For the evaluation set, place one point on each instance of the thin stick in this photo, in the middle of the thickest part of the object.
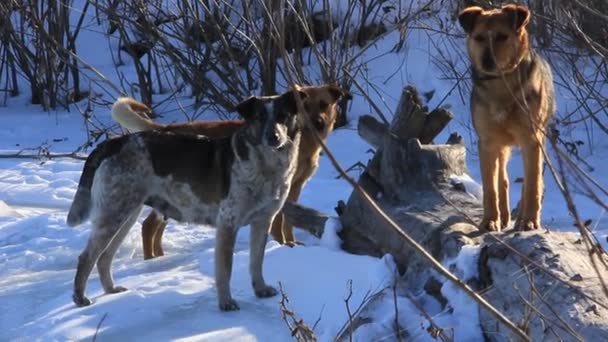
(436, 265)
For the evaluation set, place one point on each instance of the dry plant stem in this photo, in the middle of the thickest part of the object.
(364, 93)
(42, 153)
(73, 155)
(547, 271)
(530, 309)
(564, 325)
(355, 319)
(397, 326)
(99, 326)
(595, 250)
(597, 48)
(591, 10)
(411, 242)
(350, 315)
(436, 265)
(299, 330)
(577, 168)
(80, 60)
(526, 258)
(427, 257)
(428, 317)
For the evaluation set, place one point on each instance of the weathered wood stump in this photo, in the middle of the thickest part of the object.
(410, 179)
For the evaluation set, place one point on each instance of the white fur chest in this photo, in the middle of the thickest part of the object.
(260, 183)
(499, 115)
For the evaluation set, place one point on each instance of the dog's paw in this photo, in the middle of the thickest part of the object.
(505, 220)
(266, 291)
(229, 305)
(117, 289)
(488, 225)
(294, 243)
(527, 225)
(81, 301)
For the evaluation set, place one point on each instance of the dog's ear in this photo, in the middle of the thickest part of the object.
(337, 93)
(519, 16)
(468, 16)
(247, 108)
(288, 99)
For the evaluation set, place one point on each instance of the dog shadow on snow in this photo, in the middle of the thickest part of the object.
(170, 297)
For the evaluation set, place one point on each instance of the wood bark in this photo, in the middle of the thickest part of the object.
(551, 290)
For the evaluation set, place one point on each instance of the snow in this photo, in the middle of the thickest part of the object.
(330, 238)
(470, 185)
(173, 297)
(466, 314)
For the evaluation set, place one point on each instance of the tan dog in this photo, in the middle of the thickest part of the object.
(321, 108)
(511, 103)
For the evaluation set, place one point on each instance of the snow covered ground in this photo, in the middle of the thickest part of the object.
(173, 297)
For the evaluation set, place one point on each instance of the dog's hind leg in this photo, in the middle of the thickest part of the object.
(488, 157)
(277, 229)
(224, 249)
(103, 232)
(503, 187)
(158, 238)
(149, 230)
(281, 230)
(293, 196)
(257, 244)
(104, 264)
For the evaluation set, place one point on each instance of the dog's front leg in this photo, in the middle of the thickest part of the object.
(257, 244)
(503, 187)
(533, 186)
(488, 157)
(224, 249)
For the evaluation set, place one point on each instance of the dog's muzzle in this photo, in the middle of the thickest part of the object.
(487, 61)
(273, 139)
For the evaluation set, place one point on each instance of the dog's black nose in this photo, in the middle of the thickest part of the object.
(273, 139)
(488, 61)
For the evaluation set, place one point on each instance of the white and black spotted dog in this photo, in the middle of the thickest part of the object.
(231, 182)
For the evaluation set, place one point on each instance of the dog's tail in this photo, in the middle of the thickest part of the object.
(131, 115)
(81, 205)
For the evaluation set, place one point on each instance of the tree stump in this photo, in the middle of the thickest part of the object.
(411, 180)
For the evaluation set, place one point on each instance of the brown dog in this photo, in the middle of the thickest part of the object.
(511, 103)
(321, 109)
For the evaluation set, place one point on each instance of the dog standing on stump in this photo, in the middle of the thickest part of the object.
(511, 103)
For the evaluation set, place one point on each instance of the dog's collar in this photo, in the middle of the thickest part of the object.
(482, 78)
(477, 77)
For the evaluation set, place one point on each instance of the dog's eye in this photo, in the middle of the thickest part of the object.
(323, 105)
(479, 38)
(319, 123)
(500, 37)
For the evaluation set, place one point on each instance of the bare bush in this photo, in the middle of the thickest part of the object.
(37, 39)
(225, 50)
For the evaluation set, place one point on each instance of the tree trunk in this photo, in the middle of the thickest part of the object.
(411, 180)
